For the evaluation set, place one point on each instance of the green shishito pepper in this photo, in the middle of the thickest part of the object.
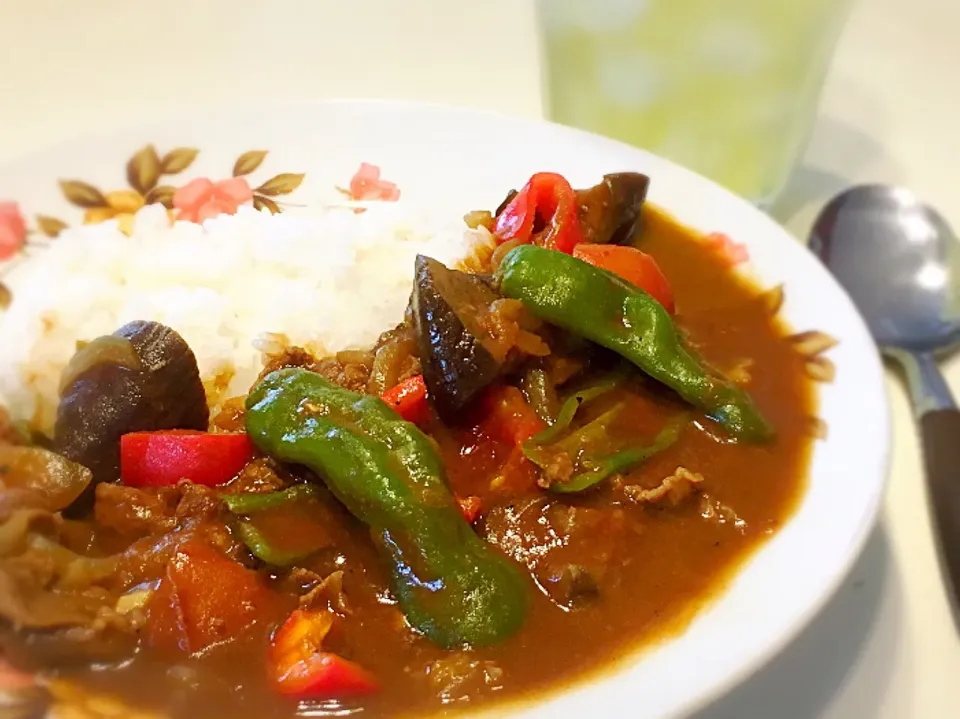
(252, 503)
(451, 585)
(598, 305)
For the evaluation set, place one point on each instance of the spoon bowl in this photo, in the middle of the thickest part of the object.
(899, 261)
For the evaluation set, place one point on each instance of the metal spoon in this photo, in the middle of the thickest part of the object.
(900, 262)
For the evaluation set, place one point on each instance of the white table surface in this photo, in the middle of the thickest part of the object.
(885, 646)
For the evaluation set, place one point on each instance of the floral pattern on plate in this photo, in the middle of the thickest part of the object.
(150, 179)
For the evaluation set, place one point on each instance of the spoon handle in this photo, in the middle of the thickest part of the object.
(940, 429)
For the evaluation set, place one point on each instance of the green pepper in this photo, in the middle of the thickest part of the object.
(451, 585)
(249, 503)
(263, 548)
(262, 545)
(568, 409)
(591, 439)
(540, 393)
(596, 453)
(605, 309)
(597, 470)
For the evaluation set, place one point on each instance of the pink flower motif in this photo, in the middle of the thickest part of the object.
(13, 230)
(367, 185)
(202, 198)
(731, 252)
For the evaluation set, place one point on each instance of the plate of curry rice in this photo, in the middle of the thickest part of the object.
(393, 409)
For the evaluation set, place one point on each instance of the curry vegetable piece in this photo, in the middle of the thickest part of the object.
(597, 470)
(603, 308)
(540, 393)
(457, 363)
(248, 503)
(450, 584)
(259, 543)
(573, 403)
(600, 454)
(263, 548)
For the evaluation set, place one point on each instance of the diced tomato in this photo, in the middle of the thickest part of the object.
(409, 399)
(299, 667)
(517, 475)
(204, 598)
(731, 252)
(470, 507)
(632, 265)
(548, 201)
(12, 679)
(156, 459)
(507, 416)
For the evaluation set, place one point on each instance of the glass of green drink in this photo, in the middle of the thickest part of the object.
(728, 88)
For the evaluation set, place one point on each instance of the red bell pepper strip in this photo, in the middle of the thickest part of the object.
(300, 668)
(508, 417)
(409, 399)
(547, 201)
(156, 459)
(632, 265)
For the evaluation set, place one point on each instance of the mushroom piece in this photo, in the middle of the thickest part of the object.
(143, 377)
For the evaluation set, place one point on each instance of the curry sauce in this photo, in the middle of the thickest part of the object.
(606, 572)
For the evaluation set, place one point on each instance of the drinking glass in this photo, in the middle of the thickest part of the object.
(728, 88)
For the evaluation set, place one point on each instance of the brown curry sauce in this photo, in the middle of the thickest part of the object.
(655, 565)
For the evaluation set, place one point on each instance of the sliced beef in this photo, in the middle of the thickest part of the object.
(670, 492)
(134, 513)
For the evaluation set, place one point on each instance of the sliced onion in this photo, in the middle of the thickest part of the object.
(41, 478)
(134, 599)
(498, 254)
(361, 357)
(15, 529)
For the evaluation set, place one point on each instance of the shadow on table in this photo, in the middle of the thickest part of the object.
(848, 152)
(804, 681)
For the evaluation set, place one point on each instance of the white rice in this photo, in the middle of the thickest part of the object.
(329, 280)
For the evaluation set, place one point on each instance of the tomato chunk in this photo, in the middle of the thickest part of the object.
(12, 679)
(633, 265)
(507, 416)
(299, 667)
(156, 459)
(470, 507)
(732, 253)
(204, 598)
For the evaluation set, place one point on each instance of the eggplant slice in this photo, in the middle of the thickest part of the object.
(456, 366)
(611, 211)
(151, 385)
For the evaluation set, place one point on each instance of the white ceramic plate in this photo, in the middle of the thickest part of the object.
(465, 159)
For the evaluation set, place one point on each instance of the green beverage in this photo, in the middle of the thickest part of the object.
(728, 88)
